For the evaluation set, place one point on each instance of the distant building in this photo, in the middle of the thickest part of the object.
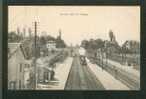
(51, 45)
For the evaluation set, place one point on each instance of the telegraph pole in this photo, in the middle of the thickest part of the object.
(35, 58)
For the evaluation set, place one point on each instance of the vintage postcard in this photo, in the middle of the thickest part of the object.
(73, 48)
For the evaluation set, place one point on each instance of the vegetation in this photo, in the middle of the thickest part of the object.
(128, 51)
(13, 37)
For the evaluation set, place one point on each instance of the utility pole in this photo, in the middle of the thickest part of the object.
(35, 58)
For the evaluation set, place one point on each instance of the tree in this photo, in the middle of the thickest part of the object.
(85, 44)
(92, 44)
(13, 37)
(111, 35)
(42, 40)
(60, 43)
(99, 43)
(48, 38)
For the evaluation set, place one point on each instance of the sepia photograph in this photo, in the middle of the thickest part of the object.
(73, 48)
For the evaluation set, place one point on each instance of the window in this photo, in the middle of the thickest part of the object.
(20, 67)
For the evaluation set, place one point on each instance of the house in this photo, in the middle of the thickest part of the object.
(51, 45)
(19, 65)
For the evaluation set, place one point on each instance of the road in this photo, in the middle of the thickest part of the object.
(81, 78)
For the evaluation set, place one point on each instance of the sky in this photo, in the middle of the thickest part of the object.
(78, 22)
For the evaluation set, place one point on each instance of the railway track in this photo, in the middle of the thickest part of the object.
(126, 78)
(81, 78)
